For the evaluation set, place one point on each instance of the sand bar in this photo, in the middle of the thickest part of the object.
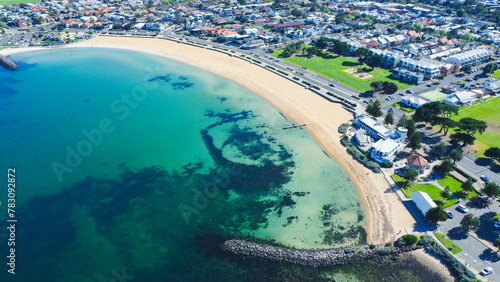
(385, 214)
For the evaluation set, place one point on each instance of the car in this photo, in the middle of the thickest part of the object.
(429, 85)
(276, 60)
(497, 224)
(484, 178)
(487, 271)
(388, 98)
(463, 209)
(469, 79)
(409, 91)
(331, 84)
(401, 94)
(450, 214)
(475, 78)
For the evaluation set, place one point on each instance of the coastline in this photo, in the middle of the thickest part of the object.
(385, 215)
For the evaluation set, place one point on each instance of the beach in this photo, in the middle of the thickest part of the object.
(386, 216)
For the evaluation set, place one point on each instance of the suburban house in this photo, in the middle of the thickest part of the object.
(460, 99)
(492, 87)
(422, 201)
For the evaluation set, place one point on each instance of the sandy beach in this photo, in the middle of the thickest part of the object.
(386, 216)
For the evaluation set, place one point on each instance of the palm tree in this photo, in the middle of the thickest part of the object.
(456, 155)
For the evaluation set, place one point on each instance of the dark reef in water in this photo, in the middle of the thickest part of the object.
(7, 63)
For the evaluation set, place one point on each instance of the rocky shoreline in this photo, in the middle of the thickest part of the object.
(7, 63)
(311, 258)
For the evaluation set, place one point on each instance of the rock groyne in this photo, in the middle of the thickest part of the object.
(7, 63)
(311, 258)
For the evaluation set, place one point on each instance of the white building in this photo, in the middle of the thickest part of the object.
(423, 202)
(429, 71)
(460, 99)
(414, 102)
(386, 150)
(471, 57)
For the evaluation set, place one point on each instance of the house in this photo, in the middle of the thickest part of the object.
(417, 161)
(460, 99)
(414, 102)
(471, 57)
(449, 69)
(492, 87)
(386, 150)
(372, 127)
(422, 201)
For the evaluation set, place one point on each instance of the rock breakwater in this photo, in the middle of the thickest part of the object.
(311, 258)
(7, 63)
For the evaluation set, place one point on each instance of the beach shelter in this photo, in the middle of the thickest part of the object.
(422, 201)
(417, 161)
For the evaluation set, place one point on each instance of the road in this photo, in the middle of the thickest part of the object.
(475, 253)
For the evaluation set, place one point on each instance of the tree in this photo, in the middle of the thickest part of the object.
(417, 27)
(414, 141)
(362, 53)
(468, 185)
(340, 47)
(389, 118)
(321, 43)
(461, 138)
(456, 155)
(448, 110)
(440, 148)
(466, 68)
(489, 68)
(470, 222)
(376, 86)
(468, 37)
(445, 167)
(389, 87)
(446, 193)
(491, 190)
(410, 239)
(471, 126)
(374, 108)
(410, 174)
(375, 61)
(297, 13)
(493, 153)
(460, 13)
(436, 214)
(497, 243)
(312, 51)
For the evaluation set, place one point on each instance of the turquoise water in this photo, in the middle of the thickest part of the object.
(131, 165)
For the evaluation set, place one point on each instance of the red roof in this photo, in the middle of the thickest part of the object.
(417, 160)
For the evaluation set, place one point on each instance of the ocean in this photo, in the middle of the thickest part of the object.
(129, 166)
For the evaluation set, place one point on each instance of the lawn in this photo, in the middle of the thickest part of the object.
(434, 95)
(447, 243)
(333, 66)
(403, 107)
(487, 111)
(496, 217)
(431, 190)
(495, 73)
(456, 187)
(11, 2)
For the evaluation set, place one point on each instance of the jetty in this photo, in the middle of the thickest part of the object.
(294, 126)
(7, 63)
(311, 258)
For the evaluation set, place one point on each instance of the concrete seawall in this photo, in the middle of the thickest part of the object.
(7, 63)
(310, 258)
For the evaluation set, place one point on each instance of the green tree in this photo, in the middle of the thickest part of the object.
(489, 68)
(389, 118)
(470, 222)
(468, 185)
(468, 37)
(446, 193)
(491, 190)
(456, 155)
(497, 243)
(373, 108)
(445, 167)
(312, 51)
(466, 68)
(414, 141)
(471, 126)
(410, 174)
(436, 214)
(417, 27)
(493, 153)
(440, 148)
(376, 86)
(410, 239)
(297, 13)
(461, 139)
(375, 61)
(460, 13)
(389, 87)
(448, 110)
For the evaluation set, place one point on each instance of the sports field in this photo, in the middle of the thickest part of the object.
(333, 66)
(434, 95)
(489, 112)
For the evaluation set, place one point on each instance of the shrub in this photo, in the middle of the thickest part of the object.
(460, 272)
(282, 72)
(386, 164)
(425, 241)
(389, 244)
(271, 67)
(343, 128)
(296, 78)
(316, 87)
(384, 251)
(410, 239)
(360, 157)
(355, 97)
(372, 246)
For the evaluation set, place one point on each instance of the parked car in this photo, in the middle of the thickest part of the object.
(331, 84)
(463, 209)
(409, 91)
(449, 213)
(497, 224)
(487, 271)
(276, 60)
(401, 94)
(485, 178)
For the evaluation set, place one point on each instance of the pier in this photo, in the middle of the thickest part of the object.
(294, 126)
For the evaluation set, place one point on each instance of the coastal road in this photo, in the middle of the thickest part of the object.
(475, 251)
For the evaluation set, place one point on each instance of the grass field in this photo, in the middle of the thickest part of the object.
(495, 73)
(490, 113)
(448, 243)
(456, 187)
(333, 66)
(431, 190)
(435, 95)
(11, 2)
